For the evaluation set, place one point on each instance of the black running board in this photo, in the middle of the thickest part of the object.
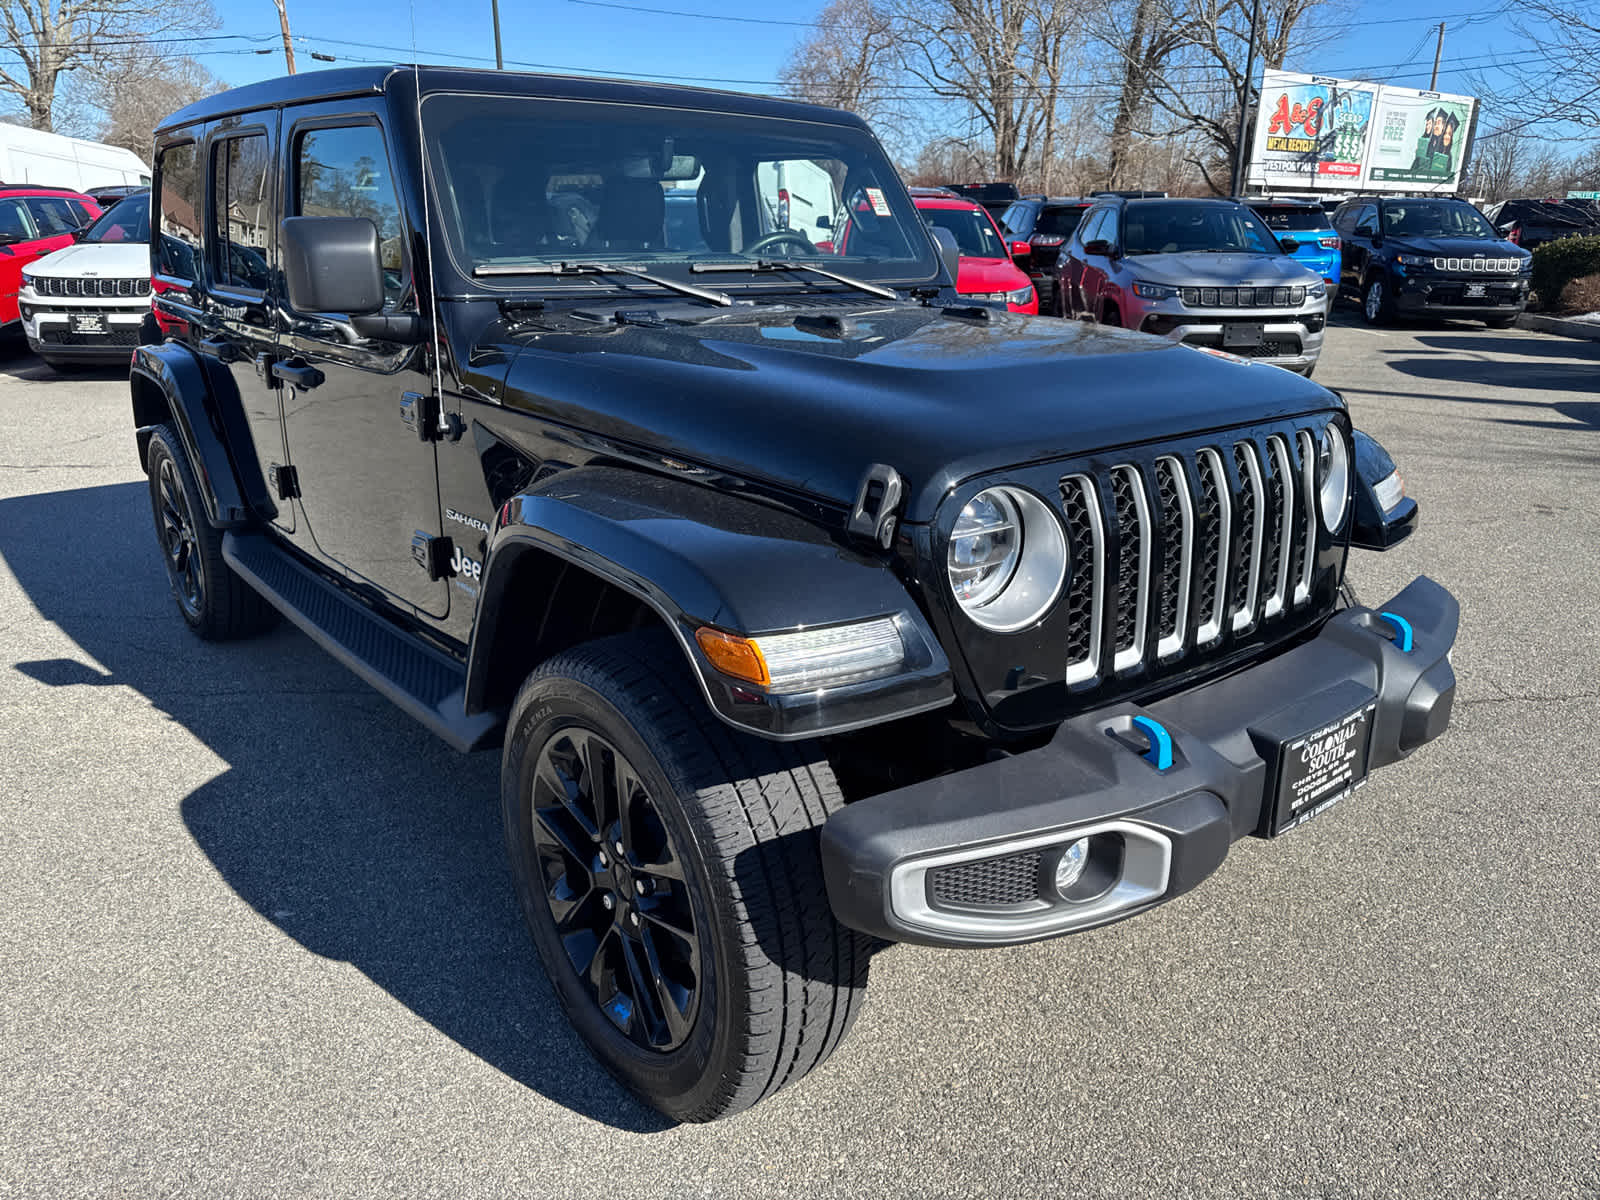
(420, 680)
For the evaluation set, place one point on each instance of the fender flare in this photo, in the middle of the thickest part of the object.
(700, 557)
(206, 430)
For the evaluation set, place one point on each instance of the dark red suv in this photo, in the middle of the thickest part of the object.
(33, 222)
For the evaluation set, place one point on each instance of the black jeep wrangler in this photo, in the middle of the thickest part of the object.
(811, 608)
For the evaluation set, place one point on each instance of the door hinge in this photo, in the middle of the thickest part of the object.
(424, 416)
(285, 481)
(433, 554)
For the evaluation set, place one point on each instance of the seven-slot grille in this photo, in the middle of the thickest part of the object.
(1492, 266)
(52, 286)
(1243, 297)
(1172, 551)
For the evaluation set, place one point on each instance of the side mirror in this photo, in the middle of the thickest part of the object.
(949, 252)
(1290, 245)
(824, 222)
(1098, 246)
(1366, 231)
(1384, 515)
(332, 265)
(1020, 250)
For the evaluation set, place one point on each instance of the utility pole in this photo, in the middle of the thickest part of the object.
(288, 44)
(1438, 53)
(499, 62)
(1240, 150)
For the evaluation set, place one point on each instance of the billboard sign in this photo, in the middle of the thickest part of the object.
(1315, 132)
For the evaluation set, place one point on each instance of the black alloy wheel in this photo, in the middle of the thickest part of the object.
(615, 888)
(175, 524)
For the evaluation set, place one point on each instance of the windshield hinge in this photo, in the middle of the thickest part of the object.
(926, 295)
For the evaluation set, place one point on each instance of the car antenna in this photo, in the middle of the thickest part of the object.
(427, 219)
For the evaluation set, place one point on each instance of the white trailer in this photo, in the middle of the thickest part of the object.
(54, 160)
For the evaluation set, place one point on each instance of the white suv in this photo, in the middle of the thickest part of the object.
(86, 303)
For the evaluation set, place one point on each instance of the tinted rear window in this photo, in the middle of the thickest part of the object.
(1297, 217)
(1059, 222)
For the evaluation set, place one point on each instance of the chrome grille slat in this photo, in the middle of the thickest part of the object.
(1085, 595)
(1284, 474)
(1308, 544)
(1172, 482)
(1219, 536)
(1133, 550)
(1252, 510)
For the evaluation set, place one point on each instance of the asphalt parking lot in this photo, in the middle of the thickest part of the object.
(259, 936)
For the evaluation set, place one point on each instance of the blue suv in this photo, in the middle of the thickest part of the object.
(1306, 222)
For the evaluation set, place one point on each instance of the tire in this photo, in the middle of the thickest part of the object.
(1376, 305)
(1111, 315)
(1500, 322)
(1308, 372)
(778, 981)
(215, 602)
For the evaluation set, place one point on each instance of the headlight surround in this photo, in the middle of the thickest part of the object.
(1414, 260)
(1022, 295)
(1333, 475)
(1007, 559)
(1155, 291)
(1317, 291)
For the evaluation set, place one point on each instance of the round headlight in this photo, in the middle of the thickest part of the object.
(1007, 558)
(1333, 475)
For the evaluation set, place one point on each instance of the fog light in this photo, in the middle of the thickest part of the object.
(1069, 867)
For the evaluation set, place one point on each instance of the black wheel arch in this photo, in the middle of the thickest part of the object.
(601, 550)
(170, 385)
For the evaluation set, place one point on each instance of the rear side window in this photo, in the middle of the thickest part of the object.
(1093, 225)
(52, 215)
(181, 191)
(344, 172)
(242, 212)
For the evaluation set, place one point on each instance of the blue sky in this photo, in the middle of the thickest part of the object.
(744, 49)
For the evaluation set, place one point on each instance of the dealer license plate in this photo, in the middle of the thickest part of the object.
(1240, 336)
(1477, 291)
(1320, 768)
(88, 323)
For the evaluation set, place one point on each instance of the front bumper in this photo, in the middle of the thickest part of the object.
(48, 322)
(1446, 296)
(1289, 337)
(998, 830)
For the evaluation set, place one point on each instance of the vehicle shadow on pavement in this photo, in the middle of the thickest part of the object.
(338, 820)
(19, 362)
(1561, 372)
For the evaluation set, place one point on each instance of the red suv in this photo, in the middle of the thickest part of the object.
(33, 222)
(986, 270)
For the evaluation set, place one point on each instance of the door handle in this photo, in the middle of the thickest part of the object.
(300, 375)
(220, 349)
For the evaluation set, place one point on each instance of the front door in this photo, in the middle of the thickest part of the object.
(368, 484)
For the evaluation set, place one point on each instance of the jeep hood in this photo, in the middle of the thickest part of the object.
(808, 401)
(104, 260)
(1207, 269)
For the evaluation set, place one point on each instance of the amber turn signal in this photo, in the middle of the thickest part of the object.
(735, 656)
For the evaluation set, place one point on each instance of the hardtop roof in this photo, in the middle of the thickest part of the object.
(342, 82)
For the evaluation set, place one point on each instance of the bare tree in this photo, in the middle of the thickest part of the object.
(46, 39)
(1139, 37)
(848, 62)
(1003, 59)
(135, 91)
(1564, 84)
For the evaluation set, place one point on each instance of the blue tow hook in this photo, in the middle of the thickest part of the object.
(1402, 629)
(1160, 753)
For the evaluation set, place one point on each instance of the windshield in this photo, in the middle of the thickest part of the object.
(127, 221)
(1435, 218)
(1294, 220)
(972, 229)
(535, 182)
(1184, 228)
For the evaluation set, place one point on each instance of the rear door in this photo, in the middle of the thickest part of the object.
(368, 484)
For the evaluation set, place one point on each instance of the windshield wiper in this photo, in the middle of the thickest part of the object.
(774, 264)
(596, 268)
